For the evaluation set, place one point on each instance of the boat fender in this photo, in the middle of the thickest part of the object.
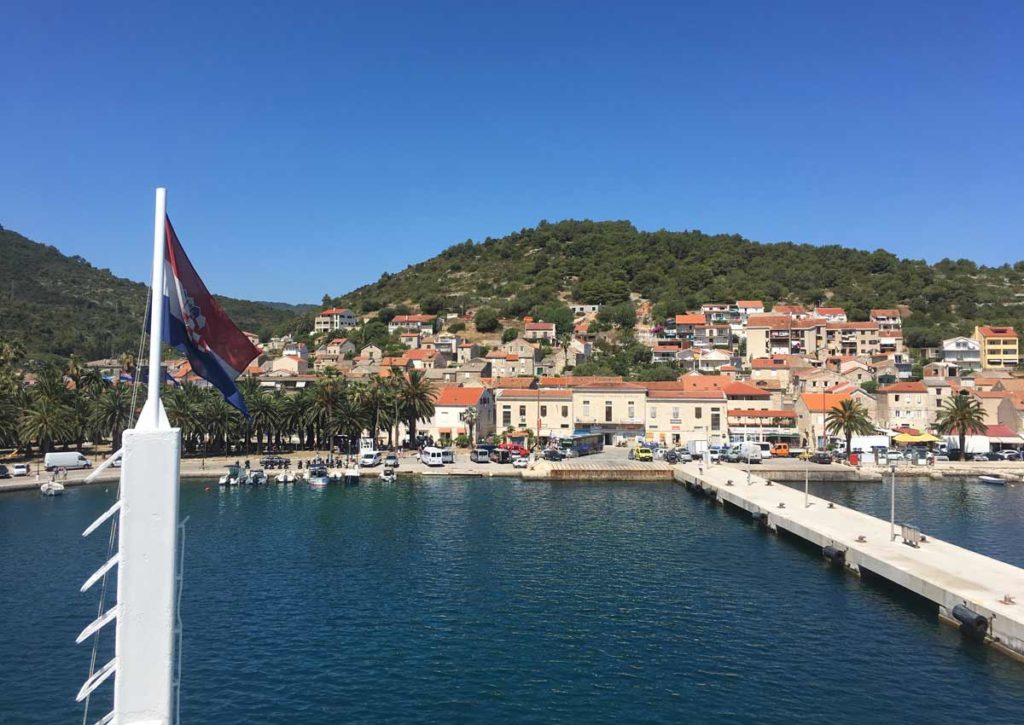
(971, 622)
(834, 554)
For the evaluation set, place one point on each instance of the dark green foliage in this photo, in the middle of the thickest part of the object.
(55, 305)
(557, 312)
(486, 320)
(457, 326)
(603, 262)
(622, 314)
(509, 335)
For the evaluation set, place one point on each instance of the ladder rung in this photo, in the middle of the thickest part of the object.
(103, 517)
(97, 679)
(97, 624)
(110, 563)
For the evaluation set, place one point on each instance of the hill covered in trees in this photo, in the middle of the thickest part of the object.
(607, 262)
(55, 305)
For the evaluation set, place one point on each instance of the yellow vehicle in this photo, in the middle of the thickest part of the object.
(640, 453)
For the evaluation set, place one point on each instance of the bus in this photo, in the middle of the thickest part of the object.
(581, 444)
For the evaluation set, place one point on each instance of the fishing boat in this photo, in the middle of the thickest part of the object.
(235, 476)
(992, 480)
(285, 477)
(388, 476)
(257, 477)
(52, 488)
(316, 476)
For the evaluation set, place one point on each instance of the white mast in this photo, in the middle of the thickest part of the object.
(146, 609)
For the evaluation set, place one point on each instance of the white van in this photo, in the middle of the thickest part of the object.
(69, 460)
(368, 459)
(432, 456)
(447, 455)
(766, 450)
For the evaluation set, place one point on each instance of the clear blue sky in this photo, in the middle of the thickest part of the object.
(308, 149)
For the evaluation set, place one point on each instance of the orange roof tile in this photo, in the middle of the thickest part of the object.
(914, 387)
(690, 319)
(992, 331)
(822, 402)
(452, 395)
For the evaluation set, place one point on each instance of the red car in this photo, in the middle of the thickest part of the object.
(514, 448)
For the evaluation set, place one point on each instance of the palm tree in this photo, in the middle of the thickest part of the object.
(469, 417)
(293, 417)
(45, 421)
(961, 414)
(113, 411)
(264, 413)
(848, 418)
(415, 400)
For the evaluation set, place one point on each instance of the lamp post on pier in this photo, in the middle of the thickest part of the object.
(892, 505)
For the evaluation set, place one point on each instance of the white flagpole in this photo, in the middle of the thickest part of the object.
(156, 309)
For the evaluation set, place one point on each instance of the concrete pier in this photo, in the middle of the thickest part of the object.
(941, 572)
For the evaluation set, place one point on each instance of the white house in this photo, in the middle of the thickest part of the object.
(449, 419)
(336, 318)
(964, 352)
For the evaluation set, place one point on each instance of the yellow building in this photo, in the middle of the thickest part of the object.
(1000, 347)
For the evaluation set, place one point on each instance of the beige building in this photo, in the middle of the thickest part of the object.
(1000, 348)
(548, 411)
(616, 410)
(905, 404)
(675, 417)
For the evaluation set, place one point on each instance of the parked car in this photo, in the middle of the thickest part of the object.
(4, 473)
(715, 453)
(671, 457)
(521, 462)
(1009, 455)
(19, 469)
(642, 453)
(780, 450)
(940, 456)
(514, 448)
(369, 459)
(823, 457)
(501, 455)
(991, 456)
(480, 455)
(893, 455)
(391, 461)
(553, 454)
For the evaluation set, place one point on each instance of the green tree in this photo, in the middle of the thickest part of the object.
(486, 320)
(509, 334)
(416, 401)
(961, 414)
(113, 412)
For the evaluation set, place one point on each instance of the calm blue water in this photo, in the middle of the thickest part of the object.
(497, 600)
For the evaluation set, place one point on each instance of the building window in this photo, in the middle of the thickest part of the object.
(716, 421)
(506, 416)
(543, 411)
(607, 411)
(522, 411)
(586, 408)
(654, 412)
(631, 410)
(698, 412)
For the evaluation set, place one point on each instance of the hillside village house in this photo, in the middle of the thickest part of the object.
(999, 346)
(579, 309)
(449, 420)
(371, 352)
(811, 412)
(831, 314)
(410, 339)
(336, 318)
(886, 319)
(296, 349)
(425, 324)
(906, 405)
(539, 331)
(340, 346)
(746, 308)
(289, 364)
(466, 352)
(964, 352)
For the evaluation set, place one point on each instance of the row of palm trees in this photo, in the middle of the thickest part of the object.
(959, 415)
(75, 405)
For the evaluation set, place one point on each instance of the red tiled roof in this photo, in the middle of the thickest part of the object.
(788, 309)
(421, 354)
(574, 381)
(770, 321)
(414, 318)
(686, 395)
(915, 387)
(514, 382)
(1000, 331)
(337, 311)
(822, 402)
(852, 325)
(829, 311)
(690, 319)
(749, 303)
(882, 312)
(890, 333)
(541, 394)
(738, 388)
(540, 326)
(451, 395)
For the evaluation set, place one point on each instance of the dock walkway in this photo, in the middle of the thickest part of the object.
(946, 574)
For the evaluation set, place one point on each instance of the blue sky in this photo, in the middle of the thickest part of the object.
(309, 147)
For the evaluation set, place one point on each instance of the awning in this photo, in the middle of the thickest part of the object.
(919, 438)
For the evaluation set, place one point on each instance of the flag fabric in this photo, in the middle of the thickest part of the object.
(198, 327)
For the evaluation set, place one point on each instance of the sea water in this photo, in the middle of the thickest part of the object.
(498, 600)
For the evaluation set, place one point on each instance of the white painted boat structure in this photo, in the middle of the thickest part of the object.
(992, 480)
(146, 660)
(52, 488)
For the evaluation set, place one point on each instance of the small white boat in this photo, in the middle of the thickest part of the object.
(286, 477)
(351, 476)
(257, 477)
(234, 477)
(992, 480)
(52, 488)
(388, 476)
(317, 477)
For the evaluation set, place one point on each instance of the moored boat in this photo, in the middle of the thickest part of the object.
(316, 476)
(52, 488)
(351, 476)
(257, 477)
(992, 480)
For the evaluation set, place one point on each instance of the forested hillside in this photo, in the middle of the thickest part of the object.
(607, 261)
(53, 304)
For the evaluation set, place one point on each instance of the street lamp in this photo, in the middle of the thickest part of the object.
(807, 481)
(892, 505)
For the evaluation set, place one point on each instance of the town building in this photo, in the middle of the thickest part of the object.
(964, 352)
(546, 412)
(999, 346)
(886, 319)
(425, 324)
(675, 417)
(539, 331)
(450, 420)
(336, 318)
(905, 405)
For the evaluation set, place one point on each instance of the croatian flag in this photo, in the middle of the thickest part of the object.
(199, 328)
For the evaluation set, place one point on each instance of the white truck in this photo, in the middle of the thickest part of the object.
(68, 460)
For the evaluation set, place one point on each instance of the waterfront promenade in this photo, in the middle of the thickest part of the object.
(941, 572)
